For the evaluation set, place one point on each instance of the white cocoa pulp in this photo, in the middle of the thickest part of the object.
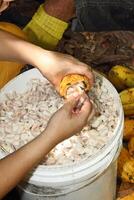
(23, 116)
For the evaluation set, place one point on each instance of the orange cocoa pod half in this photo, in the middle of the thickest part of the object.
(73, 79)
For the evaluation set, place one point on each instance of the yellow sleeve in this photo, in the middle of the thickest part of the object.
(45, 30)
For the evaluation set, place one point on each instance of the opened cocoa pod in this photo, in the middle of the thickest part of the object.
(74, 79)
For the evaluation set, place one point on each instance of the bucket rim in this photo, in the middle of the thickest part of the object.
(102, 152)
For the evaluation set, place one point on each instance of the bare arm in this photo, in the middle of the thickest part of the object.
(53, 65)
(13, 48)
(14, 167)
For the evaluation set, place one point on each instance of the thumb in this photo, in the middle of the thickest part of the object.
(71, 103)
(86, 108)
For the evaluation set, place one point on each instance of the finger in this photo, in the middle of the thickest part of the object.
(90, 76)
(4, 6)
(72, 102)
(92, 113)
(80, 103)
(86, 108)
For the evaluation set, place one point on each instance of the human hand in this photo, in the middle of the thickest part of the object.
(55, 66)
(68, 121)
(4, 5)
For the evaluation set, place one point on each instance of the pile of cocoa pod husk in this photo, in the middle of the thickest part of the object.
(100, 50)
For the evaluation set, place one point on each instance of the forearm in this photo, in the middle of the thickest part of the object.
(14, 167)
(16, 49)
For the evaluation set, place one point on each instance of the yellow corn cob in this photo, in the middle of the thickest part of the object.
(121, 77)
(131, 147)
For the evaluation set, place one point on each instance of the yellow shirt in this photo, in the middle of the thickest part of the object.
(45, 30)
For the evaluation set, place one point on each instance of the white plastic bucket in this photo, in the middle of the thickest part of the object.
(91, 179)
(80, 182)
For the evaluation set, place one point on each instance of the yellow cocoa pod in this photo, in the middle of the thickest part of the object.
(123, 158)
(128, 109)
(131, 146)
(73, 79)
(126, 166)
(9, 70)
(128, 128)
(128, 197)
(12, 28)
(127, 96)
(127, 99)
(128, 171)
(122, 77)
